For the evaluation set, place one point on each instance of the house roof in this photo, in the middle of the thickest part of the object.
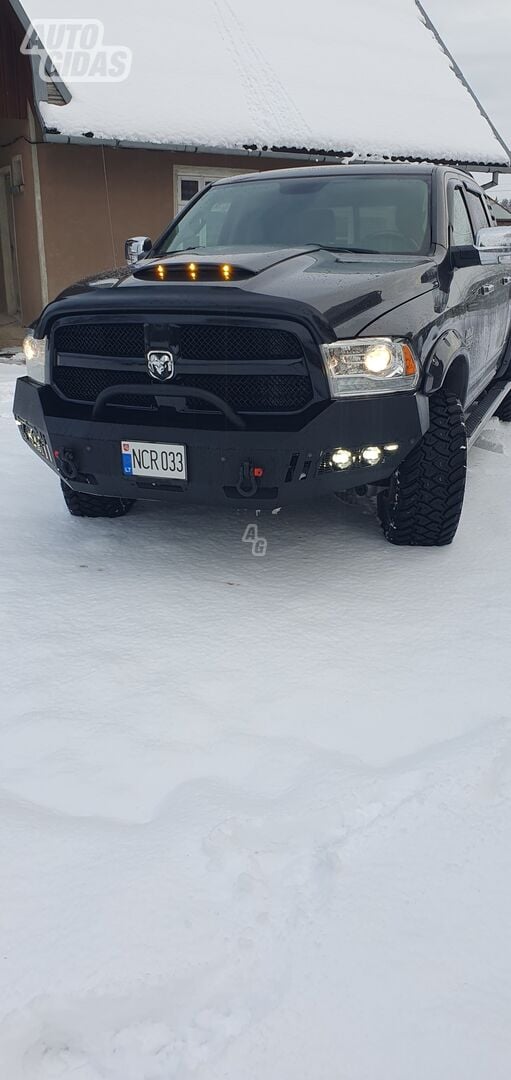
(353, 78)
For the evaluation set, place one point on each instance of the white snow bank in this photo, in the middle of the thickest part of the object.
(255, 812)
(352, 76)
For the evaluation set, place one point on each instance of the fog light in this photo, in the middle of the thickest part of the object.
(35, 438)
(371, 455)
(342, 459)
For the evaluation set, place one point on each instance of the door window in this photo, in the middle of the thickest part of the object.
(477, 211)
(462, 233)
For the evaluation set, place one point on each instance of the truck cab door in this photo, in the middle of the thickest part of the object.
(468, 300)
(497, 285)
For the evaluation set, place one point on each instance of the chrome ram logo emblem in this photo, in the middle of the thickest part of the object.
(160, 365)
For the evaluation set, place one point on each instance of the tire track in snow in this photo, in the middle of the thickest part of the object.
(275, 865)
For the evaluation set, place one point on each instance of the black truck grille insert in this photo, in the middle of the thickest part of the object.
(103, 339)
(196, 342)
(246, 393)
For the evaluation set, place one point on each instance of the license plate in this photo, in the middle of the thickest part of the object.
(164, 461)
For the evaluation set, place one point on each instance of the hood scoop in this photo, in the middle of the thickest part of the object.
(191, 270)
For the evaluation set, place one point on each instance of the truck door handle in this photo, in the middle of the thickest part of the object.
(506, 280)
(485, 290)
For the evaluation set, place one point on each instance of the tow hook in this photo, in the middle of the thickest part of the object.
(66, 464)
(249, 479)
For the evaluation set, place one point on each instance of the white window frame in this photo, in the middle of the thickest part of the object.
(203, 175)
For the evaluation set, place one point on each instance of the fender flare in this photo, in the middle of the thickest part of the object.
(447, 352)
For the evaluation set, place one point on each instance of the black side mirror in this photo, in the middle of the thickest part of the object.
(465, 255)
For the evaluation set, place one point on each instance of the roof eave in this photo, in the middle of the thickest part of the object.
(318, 156)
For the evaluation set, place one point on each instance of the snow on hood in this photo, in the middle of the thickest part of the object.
(350, 76)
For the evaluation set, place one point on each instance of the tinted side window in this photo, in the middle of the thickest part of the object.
(477, 210)
(461, 227)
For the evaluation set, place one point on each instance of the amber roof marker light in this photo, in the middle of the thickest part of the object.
(207, 271)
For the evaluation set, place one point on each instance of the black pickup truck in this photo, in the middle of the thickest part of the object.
(292, 334)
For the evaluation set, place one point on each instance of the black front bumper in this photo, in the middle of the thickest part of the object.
(294, 462)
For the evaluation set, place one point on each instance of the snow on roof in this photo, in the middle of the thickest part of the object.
(346, 76)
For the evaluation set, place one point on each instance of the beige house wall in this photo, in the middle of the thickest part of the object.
(94, 198)
(24, 209)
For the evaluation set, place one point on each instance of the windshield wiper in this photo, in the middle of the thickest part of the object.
(181, 251)
(348, 250)
(311, 243)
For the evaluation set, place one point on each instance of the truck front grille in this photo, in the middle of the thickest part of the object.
(245, 393)
(196, 342)
(101, 339)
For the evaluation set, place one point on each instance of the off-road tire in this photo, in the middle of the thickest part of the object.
(504, 409)
(81, 504)
(423, 504)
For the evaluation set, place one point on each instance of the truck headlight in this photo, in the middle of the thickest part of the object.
(35, 350)
(370, 366)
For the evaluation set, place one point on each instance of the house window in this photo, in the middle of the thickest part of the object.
(189, 181)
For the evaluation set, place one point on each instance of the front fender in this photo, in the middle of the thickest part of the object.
(447, 351)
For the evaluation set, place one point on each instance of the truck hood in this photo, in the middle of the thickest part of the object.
(343, 291)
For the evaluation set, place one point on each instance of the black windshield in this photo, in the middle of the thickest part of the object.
(370, 213)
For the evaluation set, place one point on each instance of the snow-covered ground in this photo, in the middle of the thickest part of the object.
(255, 811)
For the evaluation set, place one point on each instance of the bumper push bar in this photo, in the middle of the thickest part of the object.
(112, 392)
